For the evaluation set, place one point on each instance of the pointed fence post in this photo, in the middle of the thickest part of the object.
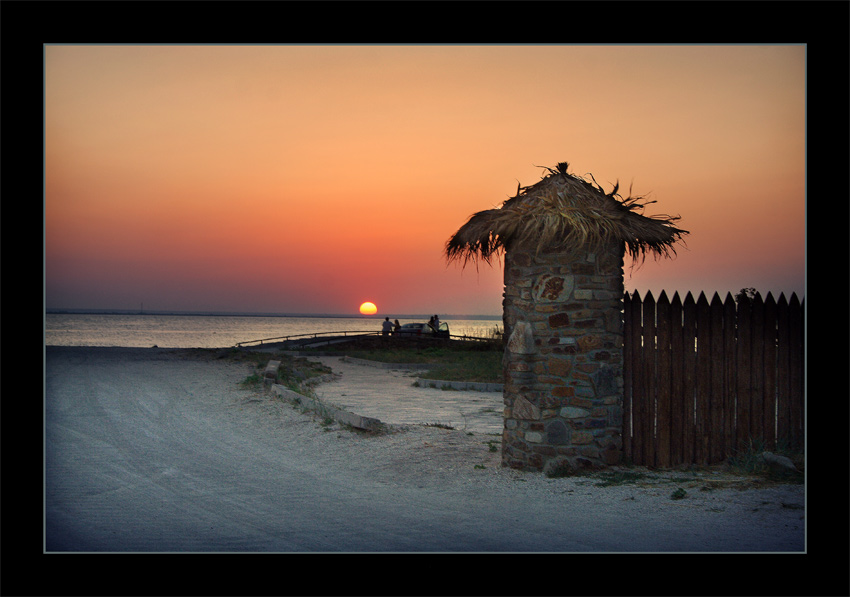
(743, 364)
(663, 418)
(677, 383)
(718, 389)
(796, 378)
(690, 376)
(769, 344)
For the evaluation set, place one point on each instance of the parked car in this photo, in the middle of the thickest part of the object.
(423, 329)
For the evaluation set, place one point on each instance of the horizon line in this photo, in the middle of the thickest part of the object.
(101, 311)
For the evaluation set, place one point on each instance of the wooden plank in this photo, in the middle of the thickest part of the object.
(769, 344)
(757, 371)
(783, 365)
(677, 383)
(639, 388)
(703, 389)
(718, 388)
(744, 390)
(648, 403)
(796, 350)
(662, 435)
(628, 371)
(730, 374)
(689, 378)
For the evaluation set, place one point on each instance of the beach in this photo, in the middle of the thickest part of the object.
(164, 450)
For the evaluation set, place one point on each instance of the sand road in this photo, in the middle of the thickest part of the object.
(158, 450)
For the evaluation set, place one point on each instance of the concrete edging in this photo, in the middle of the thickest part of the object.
(339, 415)
(460, 385)
(382, 365)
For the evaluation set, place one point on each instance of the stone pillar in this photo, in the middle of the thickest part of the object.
(563, 359)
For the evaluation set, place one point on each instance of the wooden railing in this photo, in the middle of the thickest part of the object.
(307, 336)
(330, 336)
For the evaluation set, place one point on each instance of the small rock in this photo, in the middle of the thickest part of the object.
(777, 461)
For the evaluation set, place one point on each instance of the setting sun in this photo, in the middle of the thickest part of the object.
(368, 309)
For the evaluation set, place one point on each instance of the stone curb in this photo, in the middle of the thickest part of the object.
(460, 385)
(382, 365)
(339, 415)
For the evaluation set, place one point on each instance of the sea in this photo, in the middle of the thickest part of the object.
(189, 330)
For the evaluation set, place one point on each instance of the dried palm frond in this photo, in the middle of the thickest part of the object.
(563, 212)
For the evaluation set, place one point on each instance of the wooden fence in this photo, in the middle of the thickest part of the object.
(703, 380)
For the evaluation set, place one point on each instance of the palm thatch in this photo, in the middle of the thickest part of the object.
(565, 213)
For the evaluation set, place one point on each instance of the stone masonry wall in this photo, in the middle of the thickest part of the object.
(563, 360)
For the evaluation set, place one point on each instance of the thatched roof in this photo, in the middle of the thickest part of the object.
(563, 212)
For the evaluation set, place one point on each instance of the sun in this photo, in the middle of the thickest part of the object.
(368, 308)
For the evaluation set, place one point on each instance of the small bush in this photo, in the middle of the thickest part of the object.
(252, 381)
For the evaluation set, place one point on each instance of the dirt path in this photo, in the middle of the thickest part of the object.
(162, 450)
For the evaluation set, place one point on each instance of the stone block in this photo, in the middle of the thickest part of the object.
(586, 324)
(557, 433)
(559, 320)
(563, 391)
(561, 367)
(522, 339)
(534, 437)
(582, 437)
(582, 294)
(572, 412)
(587, 269)
(549, 288)
(581, 402)
(523, 409)
(589, 342)
(271, 369)
(604, 381)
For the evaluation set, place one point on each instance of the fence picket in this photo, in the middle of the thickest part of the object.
(744, 389)
(677, 383)
(649, 403)
(638, 389)
(757, 370)
(730, 373)
(703, 389)
(690, 379)
(628, 369)
(662, 376)
(718, 393)
(795, 308)
(769, 344)
(783, 371)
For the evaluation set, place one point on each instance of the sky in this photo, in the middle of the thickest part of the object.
(310, 179)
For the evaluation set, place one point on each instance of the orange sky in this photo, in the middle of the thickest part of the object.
(309, 179)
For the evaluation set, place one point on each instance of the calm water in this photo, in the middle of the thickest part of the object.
(219, 331)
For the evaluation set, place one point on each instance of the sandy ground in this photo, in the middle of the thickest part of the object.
(157, 450)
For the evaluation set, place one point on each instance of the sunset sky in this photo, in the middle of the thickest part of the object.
(309, 179)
